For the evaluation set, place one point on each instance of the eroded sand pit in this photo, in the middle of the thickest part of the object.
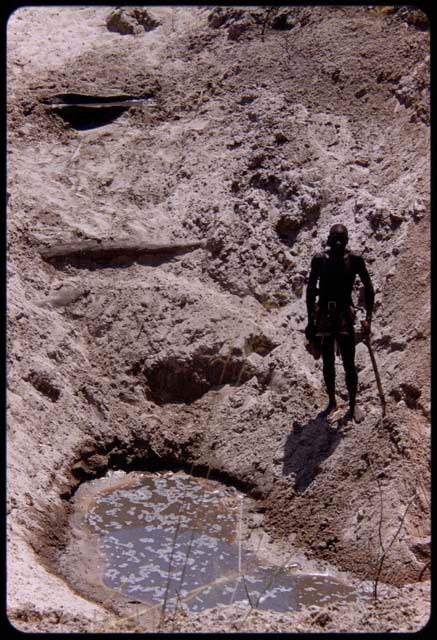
(168, 540)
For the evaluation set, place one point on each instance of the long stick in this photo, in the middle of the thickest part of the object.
(375, 369)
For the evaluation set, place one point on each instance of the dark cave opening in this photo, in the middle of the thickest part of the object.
(91, 111)
(82, 118)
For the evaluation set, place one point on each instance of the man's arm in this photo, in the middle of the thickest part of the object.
(369, 292)
(311, 292)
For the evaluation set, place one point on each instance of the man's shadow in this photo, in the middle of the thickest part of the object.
(306, 447)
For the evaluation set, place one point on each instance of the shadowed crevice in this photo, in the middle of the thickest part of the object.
(89, 112)
(80, 99)
(184, 379)
(83, 118)
(111, 254)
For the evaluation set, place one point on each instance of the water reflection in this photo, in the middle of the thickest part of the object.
(190, 524)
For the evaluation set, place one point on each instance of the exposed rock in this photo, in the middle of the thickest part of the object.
(134, 20)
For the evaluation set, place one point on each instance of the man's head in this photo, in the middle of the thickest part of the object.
(338, 237)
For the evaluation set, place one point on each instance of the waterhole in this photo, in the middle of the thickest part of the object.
(177, 539)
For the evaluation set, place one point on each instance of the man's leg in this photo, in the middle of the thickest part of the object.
(347, 350)
(328, 356)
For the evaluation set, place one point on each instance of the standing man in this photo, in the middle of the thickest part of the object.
(331, 319)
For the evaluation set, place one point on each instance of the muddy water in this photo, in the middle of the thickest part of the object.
(175, 538)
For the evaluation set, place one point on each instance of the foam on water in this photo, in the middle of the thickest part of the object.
(189, 525)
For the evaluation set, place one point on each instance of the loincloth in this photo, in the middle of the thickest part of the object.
(330, 322)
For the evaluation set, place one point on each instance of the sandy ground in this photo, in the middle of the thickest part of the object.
(118, 358)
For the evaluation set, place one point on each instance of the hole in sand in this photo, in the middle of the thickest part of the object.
(89, 112)
(180, 379)
(82, 118)
(175, 538)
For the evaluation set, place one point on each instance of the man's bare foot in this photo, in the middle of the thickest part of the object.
(335, 415)
(356, 414)
(332, 406)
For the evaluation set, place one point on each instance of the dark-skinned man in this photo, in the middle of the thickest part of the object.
(331, 318)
